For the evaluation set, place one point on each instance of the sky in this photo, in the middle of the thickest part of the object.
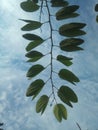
(16, 110)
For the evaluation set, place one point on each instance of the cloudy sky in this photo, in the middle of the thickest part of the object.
(16, 110)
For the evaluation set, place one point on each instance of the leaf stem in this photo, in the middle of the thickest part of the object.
(51, 38)
(47, 80)
(41, 10)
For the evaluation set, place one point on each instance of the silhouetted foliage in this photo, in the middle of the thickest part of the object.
(71, 33)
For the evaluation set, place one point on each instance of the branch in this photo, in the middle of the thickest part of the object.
(51, 38)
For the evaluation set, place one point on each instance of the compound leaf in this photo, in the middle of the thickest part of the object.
(74, 29)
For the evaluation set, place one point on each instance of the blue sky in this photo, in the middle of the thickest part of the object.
(16, 110)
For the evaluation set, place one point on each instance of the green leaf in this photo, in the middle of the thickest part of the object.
(68, 75)
(96, 7)
(31, 37)
(36, 1)
(72, 32)
(29, 6)
(42, 104)
(97, 18)
(34, 55)
(67, 95)
(65, 100)
(71, 44)
(35, 88)
(72, 26)
(60, 112)
(72, 29)
(31, 26)
(71, 41)
(27, 21)
(35, 70)
(67, 12)
(72, 15)
(59, 3)
(70, 48)
(64, 60)
(34, 44)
